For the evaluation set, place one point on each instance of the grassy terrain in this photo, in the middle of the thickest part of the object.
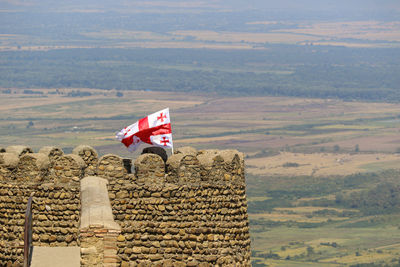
(300, 222)
(326, 246)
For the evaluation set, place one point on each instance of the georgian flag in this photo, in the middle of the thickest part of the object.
(155, 129)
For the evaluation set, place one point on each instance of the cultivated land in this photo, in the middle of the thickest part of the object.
(321, 164)
(363, 34)
(299, 155)
(357, 132)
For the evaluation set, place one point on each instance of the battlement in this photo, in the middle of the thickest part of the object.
(190, 210)
(190, 166)
(187, 165)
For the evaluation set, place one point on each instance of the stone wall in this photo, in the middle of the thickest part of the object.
(56, 214)
(193, 215)
(98, 247)
(189, 211)
(89, 156)
(56, 205)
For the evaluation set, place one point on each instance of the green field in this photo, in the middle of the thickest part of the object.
(299, 223)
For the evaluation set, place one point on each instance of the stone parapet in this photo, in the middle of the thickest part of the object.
(8, 165)
(68, 168)
(205, 225)
(56, 215)
(209, 166)
(193, 215)
(111, 167)
(150, 169)
(187, 165)
(52, 152)
(188, 211)
(19, 150)
(32, 167)
(89, 156)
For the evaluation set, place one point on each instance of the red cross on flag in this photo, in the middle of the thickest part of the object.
(155, 129)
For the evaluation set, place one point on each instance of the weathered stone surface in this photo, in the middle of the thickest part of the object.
(51, 152)
(9, 160)
(150, 169)
(206, 157)
(89, 250)
(89, 156)
(111, 167)
(55, 207)
(68, 167)
(199, 210)
(8, 164)
(87, 153)
(96, 209)
(32, 166)
(195, 214)
(19, 150)
(51, 226)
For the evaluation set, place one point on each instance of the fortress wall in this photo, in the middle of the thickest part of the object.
(53, 179)
(193, 215)
(12, 209)
(56, 205)
(56, 214)
(189, 211)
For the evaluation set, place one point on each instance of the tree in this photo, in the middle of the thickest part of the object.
(310, 250)
(336, 148)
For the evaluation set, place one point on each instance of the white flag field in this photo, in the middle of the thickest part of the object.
(155, 129)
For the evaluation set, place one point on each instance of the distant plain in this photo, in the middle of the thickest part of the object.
(308, 90)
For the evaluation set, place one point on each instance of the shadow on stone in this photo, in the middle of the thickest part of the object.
(156, 150)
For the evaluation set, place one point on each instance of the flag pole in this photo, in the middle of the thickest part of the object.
(172, 147)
